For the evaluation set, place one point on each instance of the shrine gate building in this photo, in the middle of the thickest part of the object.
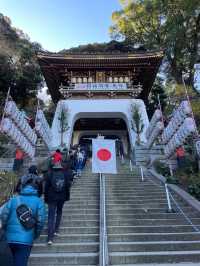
(97, 92)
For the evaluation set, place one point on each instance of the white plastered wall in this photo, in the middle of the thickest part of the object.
(120, 108)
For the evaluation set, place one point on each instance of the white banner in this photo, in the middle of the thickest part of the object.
(197, 77)
(100, 86)
(103, 156)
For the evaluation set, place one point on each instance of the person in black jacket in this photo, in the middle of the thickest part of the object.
(57, 191)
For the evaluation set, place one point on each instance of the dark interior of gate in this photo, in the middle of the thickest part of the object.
(86, 129)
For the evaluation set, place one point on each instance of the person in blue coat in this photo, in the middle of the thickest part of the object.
(20, 240)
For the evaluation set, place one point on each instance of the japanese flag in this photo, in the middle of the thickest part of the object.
(103, 156)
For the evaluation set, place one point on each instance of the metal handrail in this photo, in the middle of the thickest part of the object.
(130, 165)
(168, 198)
(103, 250)
(142, 173)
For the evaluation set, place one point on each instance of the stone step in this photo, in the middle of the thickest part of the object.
(117, 216)
(71, 238)
(150, 229)
(81, 223)
(62, 259)
(131, 200)
(136, 194)
(148, 237)
(129, 237)
(128, 194)
(161, 264)
(154, 246)
(79, 229)
(153, 222)
(144, 216)
(80, 205)
(117, 258)
(144, 209)
(87, 201)
(140, 205)
(66, 247)
(79, 211)
(73, 217)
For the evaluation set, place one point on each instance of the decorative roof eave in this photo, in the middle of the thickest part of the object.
(51, 64)
(128, 56)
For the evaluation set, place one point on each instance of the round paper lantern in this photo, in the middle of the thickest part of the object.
(6, 125)
(10, 108)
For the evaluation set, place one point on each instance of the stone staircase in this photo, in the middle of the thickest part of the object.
(143, 155)
(78, 243)
(6, 164)
(140, 230)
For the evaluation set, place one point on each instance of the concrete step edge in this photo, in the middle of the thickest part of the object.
(63, 255)
(67, 244)
(149, 253)
(153, 242)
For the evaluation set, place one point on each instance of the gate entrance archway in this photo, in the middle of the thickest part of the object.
(92, 117)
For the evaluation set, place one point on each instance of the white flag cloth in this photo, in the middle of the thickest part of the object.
(103, 156)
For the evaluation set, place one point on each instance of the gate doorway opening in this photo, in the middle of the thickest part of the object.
(85, 129)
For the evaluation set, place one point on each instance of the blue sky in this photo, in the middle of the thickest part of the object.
(59, 24)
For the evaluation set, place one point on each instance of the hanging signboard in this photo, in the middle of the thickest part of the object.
(197, 77)
(100, 86)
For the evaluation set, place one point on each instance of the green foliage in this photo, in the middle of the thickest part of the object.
(172, 179)
(63, 118)
(172, 26)
(8, 182)
(19, 69)
(162, 168)
(194, 186)
(49, 111)
(137, 122)
(111, 47)
(157, 90)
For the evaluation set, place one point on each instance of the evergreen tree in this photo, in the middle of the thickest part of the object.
(19, 69)
(157, 94)
(173, 26)
(63, 118)
(137, 122)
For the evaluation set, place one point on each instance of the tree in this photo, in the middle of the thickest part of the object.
(49, 111)
(173, 26)
(19, 69)
(63, 118)
(137, 122)
(157, 94)
(110, 47)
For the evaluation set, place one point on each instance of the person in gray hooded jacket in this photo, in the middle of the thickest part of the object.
(37, 181)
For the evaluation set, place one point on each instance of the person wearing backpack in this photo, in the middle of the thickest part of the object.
(23, 218)
(79, 158)
(37, 181)
(57, 191)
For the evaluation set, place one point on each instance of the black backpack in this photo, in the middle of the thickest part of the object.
(25, 215)
(58, 181)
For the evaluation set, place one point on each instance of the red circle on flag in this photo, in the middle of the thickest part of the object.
(104, 154)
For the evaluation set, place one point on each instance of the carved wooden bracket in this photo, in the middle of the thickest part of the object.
(112, 94)
(89, 94)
